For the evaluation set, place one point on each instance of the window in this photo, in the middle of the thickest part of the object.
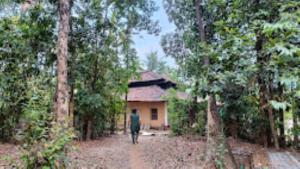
(154, 115)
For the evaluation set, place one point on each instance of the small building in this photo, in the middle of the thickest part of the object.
(147, 97)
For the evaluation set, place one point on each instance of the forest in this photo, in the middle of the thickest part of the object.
(66, 67)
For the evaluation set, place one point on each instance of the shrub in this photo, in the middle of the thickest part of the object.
(201, 119)
(179, 115)
(49, 152)
(44, 141)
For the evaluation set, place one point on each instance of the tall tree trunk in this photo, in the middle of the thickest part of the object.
(128, 32)
(282, 142)
(281, 119)
(72, 106)
(295, 126)
(193, 108)
(273, 128)
(125, 114)
(89, 129)
(272, 119)
(113, 124)
(214, 131)
(89, 121)
(262, 134)
(72, 73)
(62, 107)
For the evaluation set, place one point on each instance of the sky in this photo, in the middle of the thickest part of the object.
(145, 43)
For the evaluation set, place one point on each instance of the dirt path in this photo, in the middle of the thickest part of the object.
(136, 160)
(283, 160)
(152, 152)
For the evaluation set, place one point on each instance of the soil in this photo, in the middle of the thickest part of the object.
(117, 151)
(9, 155)
(152, 152)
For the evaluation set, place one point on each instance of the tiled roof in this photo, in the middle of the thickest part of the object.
(151, 92)
(147, 93)
(149, 76)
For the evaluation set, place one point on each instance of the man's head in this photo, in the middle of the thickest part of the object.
(134, 111)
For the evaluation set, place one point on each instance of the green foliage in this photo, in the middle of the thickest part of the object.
(201, 119)
(279, 105)
(237, 62)
(178, 114)
(49, 151)
(43, 142)
(103, 46)
(35, 118)
(153, 63)
(178, 111)
(24, 53)
(101, 60)
(221, 150)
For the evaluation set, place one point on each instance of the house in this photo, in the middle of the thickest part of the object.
(147, 97)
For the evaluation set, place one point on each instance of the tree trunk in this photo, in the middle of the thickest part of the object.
(193, 108)
(281, 120)
(281, 128)
(272, 119)
(125, 114)
(233, 127)
(214, 131)
(273, 128)
(61, 103)
(89, 130)
(295, 126)
(262, 134)
(72, 107)
(113, 124)
(72, 72)
(215, 138)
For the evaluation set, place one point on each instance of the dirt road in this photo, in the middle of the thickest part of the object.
(152, 152)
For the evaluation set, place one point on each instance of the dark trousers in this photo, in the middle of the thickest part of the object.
(134, 136)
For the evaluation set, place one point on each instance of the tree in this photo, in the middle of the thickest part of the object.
(191, 22)
(154, 64)
(62, 93)
(104, 30)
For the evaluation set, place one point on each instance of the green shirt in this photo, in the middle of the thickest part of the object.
(135, 122)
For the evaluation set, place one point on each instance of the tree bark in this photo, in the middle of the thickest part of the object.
(272, 119)
(125, 113)
(72, 73)
(295, 126)
(89, 130)
(128, 32)
(281, 120)
(193, 107)
(214, 131)
(113, 124)
(61, 103)
(262, 134)
(273, 128)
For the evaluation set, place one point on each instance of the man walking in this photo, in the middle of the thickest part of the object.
(134, 126)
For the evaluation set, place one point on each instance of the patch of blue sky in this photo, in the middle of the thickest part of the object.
(145, 43)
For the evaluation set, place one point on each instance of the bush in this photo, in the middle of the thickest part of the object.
(179, 115)
(44, 142)
(201, 119)
(50, 151)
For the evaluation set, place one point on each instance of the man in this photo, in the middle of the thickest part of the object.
(134, 126)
